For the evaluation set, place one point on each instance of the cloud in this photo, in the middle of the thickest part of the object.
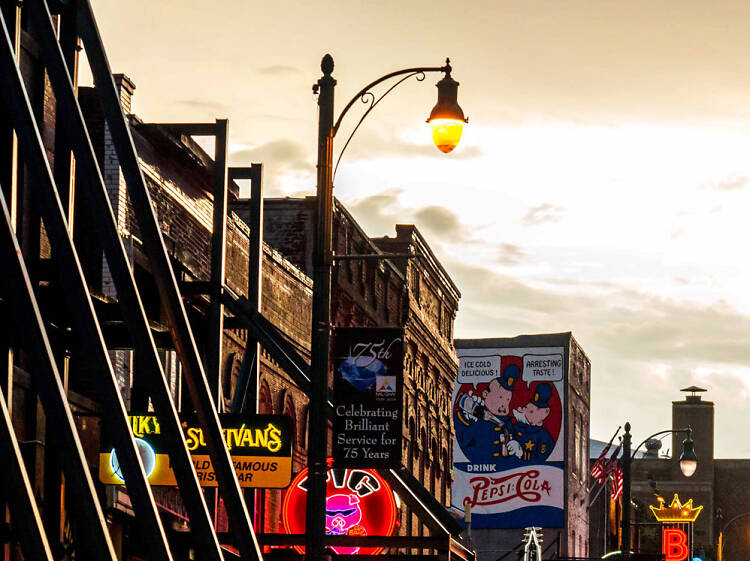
(731, 183)
(283, 153)
(205, 105)
(628, 323)
(643, 348)
(377, 214)
(438, 221)
(280, 158)
(280, 70)
(510, 254)
(542, 213)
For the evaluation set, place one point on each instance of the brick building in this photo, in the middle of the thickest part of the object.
(178, 177)
(717, 485)
(416, 294)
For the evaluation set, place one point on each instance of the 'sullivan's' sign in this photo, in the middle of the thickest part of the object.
(260, 447)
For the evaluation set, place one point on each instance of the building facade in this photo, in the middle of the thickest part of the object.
(521, 411)
(716, 486)
(414, 294)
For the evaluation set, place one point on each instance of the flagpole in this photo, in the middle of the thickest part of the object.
(626, 461)
(606, 528)
(596, 470)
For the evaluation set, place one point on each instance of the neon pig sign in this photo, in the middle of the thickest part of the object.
(358, 503)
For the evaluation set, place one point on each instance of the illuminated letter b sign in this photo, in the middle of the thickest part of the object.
(674, 544)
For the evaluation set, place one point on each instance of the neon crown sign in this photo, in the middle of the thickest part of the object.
(676, 511)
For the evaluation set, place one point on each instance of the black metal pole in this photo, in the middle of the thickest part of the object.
(321, 321)
(214, 338)
(626, 481)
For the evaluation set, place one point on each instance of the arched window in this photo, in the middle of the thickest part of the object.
(423, 455)
(444, 493)
(265, 405)
(435, 468)
(290, 411)
(230, 365)
(412, 445)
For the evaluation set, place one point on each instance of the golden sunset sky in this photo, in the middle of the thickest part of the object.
(602, 185)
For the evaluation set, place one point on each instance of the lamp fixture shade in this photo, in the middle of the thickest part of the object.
(447, 118)
(688, 459)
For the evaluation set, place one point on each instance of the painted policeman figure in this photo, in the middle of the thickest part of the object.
(535, 441)
(483, 427)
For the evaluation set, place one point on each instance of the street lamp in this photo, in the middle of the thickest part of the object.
(688, 465)
(447, 118)
(688, 459)
(447, 121)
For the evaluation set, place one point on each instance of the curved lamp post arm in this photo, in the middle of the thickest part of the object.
(723, 530)
(366, 96)
(688, 431)
(368, 87)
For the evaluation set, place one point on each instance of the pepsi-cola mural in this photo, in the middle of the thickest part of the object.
(358, 503)
(509, 451)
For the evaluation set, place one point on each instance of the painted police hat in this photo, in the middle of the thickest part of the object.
(542, 393)
(509, 377)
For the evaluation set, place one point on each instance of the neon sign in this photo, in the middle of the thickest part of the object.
(676, 512)
(260, 447)
(358, 503)
(674, 544)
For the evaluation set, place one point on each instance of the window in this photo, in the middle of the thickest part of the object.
(573, 543)
(577, 447)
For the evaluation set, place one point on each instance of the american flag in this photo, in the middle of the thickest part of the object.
(601, 468)
(616, 476)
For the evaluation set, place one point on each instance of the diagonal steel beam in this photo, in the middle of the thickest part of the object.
(19, 295)
(75, 290)
(95, 195)
(24, 514)
(269, 336)
(166, 283)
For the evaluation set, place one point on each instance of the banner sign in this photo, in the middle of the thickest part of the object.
(260, 447)
(367, 395)
(509, 448)
(358, 503)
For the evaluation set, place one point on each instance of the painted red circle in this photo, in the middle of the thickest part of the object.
(358, 503)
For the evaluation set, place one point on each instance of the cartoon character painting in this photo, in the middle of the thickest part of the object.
(536, 443)
(509, 455)
(487, 420)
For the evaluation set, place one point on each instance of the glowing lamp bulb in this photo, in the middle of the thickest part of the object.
(688, 467)
(688, 459)
(447, 118)
(446, 133)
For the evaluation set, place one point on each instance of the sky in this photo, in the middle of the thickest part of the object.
(602, 185)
